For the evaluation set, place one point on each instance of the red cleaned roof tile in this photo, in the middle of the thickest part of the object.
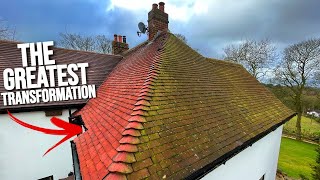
(129, 140)
(132, 132)
(125, 157)
(114, 176)
(120, 168)
(127, 148)
(138, 118)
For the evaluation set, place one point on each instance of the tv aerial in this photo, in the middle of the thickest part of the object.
(143, 28)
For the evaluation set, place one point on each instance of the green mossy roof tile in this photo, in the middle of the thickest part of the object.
(204, 106)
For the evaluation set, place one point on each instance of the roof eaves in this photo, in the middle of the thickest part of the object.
(43, 108)
(223, 159)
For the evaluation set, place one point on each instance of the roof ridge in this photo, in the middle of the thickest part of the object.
(85, 52)
(10, 41)
(129, 51)
(59, 48)
(121, 165)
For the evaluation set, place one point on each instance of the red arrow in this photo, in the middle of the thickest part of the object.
(68, 129)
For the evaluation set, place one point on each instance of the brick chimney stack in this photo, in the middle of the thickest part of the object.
(119, 44)
(157, 20)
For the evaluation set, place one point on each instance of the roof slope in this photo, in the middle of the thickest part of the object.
(166, 112)
(100, 65)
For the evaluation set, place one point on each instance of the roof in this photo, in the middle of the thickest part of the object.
(167, 112)
(100, 65)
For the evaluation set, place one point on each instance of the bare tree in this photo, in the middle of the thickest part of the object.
(181, 37)
(255, 56)
(99, 43)
(103, 44)
(297, 69)
(6, 32)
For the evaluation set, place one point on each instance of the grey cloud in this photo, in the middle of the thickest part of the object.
(285, 22)
(227, 21)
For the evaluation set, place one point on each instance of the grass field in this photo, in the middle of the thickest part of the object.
(295, 158)
(307, 125)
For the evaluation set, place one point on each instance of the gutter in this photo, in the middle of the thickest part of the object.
(223, 159)
(40, 108)
(75, 159)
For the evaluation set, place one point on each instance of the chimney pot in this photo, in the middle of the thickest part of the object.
(119, 45)
(154, 6)
(115, 38)
(161, 6)
(120, 38)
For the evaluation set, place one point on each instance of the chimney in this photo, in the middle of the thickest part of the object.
(157, 20)
(119, 44)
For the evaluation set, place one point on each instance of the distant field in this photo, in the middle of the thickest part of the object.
(307, 125)
(295, 158)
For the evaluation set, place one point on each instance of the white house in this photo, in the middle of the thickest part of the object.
(164, 112)
(313, 113)
(22, 149)
(258, 161)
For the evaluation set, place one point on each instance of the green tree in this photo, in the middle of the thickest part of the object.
(283, 94)
(296, 70)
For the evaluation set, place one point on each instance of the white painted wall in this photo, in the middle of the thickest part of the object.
(22, 149)
(252, 163)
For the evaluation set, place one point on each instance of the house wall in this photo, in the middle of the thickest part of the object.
(22, 149)
(252, 163)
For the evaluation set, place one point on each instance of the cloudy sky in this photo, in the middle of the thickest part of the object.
(209, 25)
